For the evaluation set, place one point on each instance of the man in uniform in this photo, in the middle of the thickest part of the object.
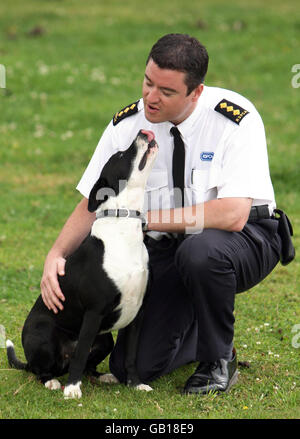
(210, 172)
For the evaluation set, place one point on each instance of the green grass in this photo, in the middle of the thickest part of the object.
(63, 87)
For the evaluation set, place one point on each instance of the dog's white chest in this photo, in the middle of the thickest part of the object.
(132, 286)
(126, 264)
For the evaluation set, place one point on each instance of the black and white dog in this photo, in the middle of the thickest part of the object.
(104, 283)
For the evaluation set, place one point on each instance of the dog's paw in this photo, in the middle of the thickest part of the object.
(72, 391)
(143, 387)
(53, 384)
(108, 378)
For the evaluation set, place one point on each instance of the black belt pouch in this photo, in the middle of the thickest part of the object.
(285, 231)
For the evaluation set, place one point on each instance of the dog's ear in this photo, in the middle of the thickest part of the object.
(95, 202)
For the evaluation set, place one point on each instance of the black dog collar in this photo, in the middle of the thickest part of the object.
(122, 213)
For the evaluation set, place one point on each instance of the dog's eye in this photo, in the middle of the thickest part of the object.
(120, 154)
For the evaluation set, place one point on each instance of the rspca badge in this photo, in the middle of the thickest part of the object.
(232, 111)
(207, 156)
(127, 111)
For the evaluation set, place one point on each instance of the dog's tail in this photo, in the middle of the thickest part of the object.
(11, 356)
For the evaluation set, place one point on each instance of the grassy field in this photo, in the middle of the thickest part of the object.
(70, 66)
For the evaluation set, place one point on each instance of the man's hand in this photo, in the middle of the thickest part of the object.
(50, 289)
(73, 233)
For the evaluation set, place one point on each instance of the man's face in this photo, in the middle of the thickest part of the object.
(164, 94)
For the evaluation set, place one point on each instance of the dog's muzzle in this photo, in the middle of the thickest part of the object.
(149, 136)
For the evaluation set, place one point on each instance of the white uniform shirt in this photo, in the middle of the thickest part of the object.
(222, 158)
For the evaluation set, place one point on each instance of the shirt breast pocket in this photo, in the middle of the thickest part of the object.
(157, 194)
(204, 183)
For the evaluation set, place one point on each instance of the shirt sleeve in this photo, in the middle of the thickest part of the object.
(245, 168)
(102, 153)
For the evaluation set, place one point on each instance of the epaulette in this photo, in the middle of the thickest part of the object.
(232, 111)
(127, 111)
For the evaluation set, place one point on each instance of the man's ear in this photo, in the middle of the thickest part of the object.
(197, 92)
(95, 202)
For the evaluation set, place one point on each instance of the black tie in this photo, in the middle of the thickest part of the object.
(178, 166)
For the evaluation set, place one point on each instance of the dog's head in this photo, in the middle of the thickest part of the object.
(129, 168)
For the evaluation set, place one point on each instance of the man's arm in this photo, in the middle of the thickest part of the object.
(225, 213)
(73, 233)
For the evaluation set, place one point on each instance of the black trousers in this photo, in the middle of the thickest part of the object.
(189, 308)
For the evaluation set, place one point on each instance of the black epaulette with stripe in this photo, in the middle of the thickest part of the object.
(125, 112)
(232, 111)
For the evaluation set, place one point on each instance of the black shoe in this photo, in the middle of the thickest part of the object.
(218, 376)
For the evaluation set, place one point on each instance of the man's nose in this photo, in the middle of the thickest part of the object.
(153, 95)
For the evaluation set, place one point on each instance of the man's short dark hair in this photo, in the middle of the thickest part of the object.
(183, 53)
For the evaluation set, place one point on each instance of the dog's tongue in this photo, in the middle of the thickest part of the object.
(149, 134)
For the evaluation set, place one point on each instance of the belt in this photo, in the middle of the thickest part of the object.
(259, 212)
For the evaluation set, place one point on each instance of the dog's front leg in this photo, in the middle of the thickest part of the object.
(89, 329)
(132, 333)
